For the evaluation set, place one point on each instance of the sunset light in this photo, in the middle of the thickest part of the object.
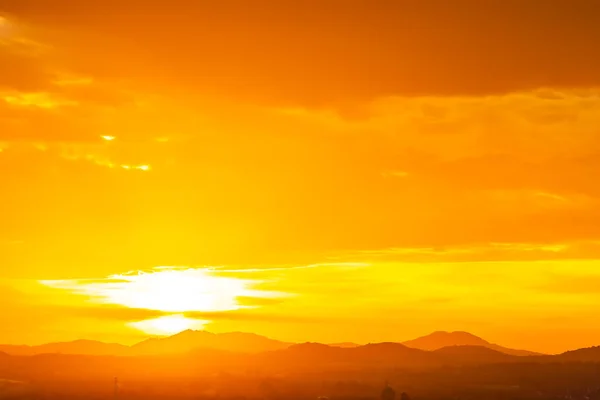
(206, 186)
(172, 291)
(165, 289)
(168, 325)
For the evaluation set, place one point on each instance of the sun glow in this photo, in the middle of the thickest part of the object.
(168, 325)
(170, 290)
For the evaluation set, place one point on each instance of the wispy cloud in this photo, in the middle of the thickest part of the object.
(481, 253)
(40, 100)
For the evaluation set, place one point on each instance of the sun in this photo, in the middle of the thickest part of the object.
(168, 325)
(166, 289)
(173, 291)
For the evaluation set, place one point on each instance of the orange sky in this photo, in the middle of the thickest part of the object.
(355, 170)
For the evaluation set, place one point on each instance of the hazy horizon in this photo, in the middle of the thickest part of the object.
(400, 341)
(271, 311)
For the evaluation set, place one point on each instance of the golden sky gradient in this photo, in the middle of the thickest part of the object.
(319, 170)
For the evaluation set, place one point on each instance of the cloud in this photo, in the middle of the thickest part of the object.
(432, 145)
(42, 99)
(22, 69)
(317, 149)
(249, 301)
(490, 297)
(483, 252)
(260, 316)
(110, 313)
(407, 48)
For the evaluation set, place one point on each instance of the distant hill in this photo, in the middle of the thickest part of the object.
(380, 354)
(305, 371)
(239, 342)
(345, 345)
(439, 340)
(190, 340)
(183, 342)
(15, 350)
(474, 355)
(313, 357)
(306, 352)
(590, 354)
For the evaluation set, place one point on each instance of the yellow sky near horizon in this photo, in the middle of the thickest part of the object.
(359, 171)
(505, 302)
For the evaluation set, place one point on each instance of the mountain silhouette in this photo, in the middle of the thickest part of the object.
(190, 340)
(239, 342)
(441, 339)
(183, 342)
(17, 350)
(306, 357)
(475, 355)
(380, 354)
(347, 345)
(590, 354)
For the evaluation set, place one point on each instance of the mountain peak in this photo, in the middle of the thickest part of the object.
(191, 340)
(440, 339)
(190, 333)
(308, 346)
(457, 334)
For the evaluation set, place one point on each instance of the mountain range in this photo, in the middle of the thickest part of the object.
(439, 340)
(192, 351)
(298, 358)
(161, 368)
(240, 342)
(190, 340)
